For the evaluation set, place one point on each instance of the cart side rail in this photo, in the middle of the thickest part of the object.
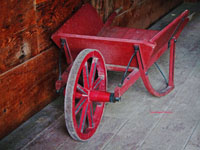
(115, 51)
(172, 30)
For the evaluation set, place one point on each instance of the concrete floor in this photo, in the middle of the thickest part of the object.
(130, 124)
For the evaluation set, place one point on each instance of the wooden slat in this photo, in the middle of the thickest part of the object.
(26, 89)
(16, 49)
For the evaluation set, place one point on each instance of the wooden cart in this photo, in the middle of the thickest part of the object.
(91, 48)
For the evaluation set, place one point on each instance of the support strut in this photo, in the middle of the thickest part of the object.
(136, 48)
(163, 75)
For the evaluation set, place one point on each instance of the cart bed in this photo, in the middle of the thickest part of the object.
(85, 29)
(127, 33)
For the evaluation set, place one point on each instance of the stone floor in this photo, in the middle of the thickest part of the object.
(131, 123)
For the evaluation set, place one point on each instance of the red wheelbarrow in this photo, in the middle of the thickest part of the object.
(91, 48)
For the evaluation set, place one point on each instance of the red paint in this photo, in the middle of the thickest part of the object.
(86, 30)
(99, 96)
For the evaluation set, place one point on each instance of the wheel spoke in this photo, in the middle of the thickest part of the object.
(86, 75)
(81, 89)
(97, 83)
(80, 105)
(83, 117)
(93, 70)
(90, 115)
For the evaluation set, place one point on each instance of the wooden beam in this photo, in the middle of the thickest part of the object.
(26, 89)
(18, 33)
(18, 48)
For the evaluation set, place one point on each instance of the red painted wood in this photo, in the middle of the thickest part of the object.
(99, 96)
(165, 34)
(127, 33)
(171, 63)
(129, 81)
(122, 39)
(116, 51)
(145, 79)
(116, 43)
(117, 46)
(88, 24)
(118, 68)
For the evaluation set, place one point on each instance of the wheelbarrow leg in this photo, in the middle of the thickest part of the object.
(145, 77)
(171, 63)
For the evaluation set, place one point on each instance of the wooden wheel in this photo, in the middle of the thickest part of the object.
(83, 116)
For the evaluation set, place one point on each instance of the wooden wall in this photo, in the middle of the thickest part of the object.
(28, 58)
(135, 13)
